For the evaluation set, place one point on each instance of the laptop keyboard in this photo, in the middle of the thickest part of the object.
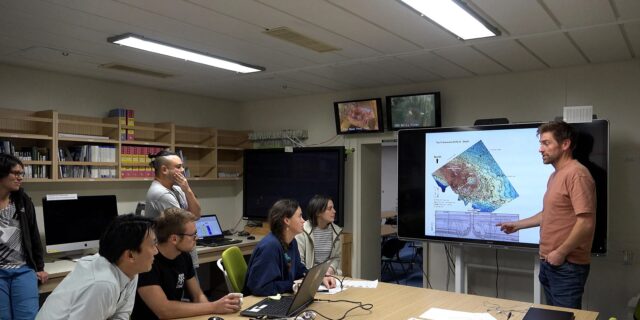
(217, 242)
(280, 308)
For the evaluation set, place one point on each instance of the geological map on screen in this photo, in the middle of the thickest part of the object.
(476, 178)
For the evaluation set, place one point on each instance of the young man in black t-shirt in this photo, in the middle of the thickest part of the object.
(160, 290)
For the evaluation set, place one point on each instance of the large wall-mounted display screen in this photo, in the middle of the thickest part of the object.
(456, 184)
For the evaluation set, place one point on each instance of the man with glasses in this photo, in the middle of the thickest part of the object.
(21, 259)
(103, 286)
(161, 289)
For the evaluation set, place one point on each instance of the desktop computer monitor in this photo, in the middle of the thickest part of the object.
(72, 224)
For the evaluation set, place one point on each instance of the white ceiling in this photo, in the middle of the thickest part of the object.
(382, 42)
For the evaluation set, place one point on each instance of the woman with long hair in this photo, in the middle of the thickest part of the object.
(275, 262)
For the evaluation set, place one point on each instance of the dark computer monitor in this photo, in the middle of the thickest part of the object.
(76, 223)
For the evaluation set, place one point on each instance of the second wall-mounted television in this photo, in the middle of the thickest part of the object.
(455, 184)
(358, 116)
(421, 110)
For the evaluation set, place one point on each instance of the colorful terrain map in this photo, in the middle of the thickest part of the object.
(476, 178)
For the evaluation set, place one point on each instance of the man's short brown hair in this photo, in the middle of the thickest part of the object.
(172, 221)
(560, 130)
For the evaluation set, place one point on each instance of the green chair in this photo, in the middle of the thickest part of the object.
(234, 268)
(636, 314)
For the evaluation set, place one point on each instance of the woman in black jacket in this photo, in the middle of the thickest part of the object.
(21, 258)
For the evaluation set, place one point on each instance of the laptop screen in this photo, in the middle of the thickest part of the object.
(309, 287)
(208, 226)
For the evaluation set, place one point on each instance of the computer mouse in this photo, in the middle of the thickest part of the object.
(251, 237)
(216, 318)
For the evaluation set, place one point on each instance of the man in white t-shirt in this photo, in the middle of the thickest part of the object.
(170, 189)
(103, 286)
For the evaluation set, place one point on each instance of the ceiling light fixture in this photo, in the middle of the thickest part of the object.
(455, 16)
(142, 43)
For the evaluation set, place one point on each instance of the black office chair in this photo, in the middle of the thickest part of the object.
(391, 255)
(140, 209)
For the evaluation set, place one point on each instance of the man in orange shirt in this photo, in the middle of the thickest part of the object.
(567, 219)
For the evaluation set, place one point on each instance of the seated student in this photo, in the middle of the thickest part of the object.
(275, 262)
(160, 290)
(103, 286)
(320, 239)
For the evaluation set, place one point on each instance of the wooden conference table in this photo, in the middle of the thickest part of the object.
(398, 302)
(60, 268)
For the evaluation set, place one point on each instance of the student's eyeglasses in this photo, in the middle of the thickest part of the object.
(18, 174)
(192, 235)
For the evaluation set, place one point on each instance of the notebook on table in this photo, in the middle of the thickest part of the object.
(210, 232)
(547, 314)
(290, 306)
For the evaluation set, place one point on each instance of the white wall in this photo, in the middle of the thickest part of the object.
(614, 91)
(30, 89)
(389, 178)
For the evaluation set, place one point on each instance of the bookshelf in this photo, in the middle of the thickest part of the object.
(72, 148)
(29, 135)
(197, 148)
(231, 146)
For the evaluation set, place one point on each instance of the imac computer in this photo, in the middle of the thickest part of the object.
(76, 223)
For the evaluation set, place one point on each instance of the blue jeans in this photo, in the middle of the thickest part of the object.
(18, 293)
(564, 284)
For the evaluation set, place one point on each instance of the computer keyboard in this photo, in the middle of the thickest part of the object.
(280, 308)
(218, 243)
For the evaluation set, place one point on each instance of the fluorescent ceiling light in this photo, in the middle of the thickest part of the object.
(452, 16)
(139, 42)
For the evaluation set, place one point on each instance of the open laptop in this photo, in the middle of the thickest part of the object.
(290, 306)
(210, 232)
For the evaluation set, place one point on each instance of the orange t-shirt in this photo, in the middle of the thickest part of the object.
(570, 191)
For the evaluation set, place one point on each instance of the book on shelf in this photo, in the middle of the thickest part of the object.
(87, 153)
(125, 118)
(130, 122)
(7, 147)
(80, 136)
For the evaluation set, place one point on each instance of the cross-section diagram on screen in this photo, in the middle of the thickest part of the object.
(476, 178)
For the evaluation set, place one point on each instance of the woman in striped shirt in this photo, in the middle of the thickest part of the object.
(320, 239)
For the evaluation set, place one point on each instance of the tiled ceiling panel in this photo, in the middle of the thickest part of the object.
(633, 34)
(580, 13)
(602, 44)
(519, 16)
(436, 65)
(555, 50)
(511, 54)
(628, 9)
(471, 60)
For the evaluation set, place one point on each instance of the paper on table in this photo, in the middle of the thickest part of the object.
(323, 289)
(360, 284)
(444, 314)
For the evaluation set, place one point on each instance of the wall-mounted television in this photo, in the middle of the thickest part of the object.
(358, 116)
(421, 110)
(72, 224)
(499, 177)
(273, 174)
